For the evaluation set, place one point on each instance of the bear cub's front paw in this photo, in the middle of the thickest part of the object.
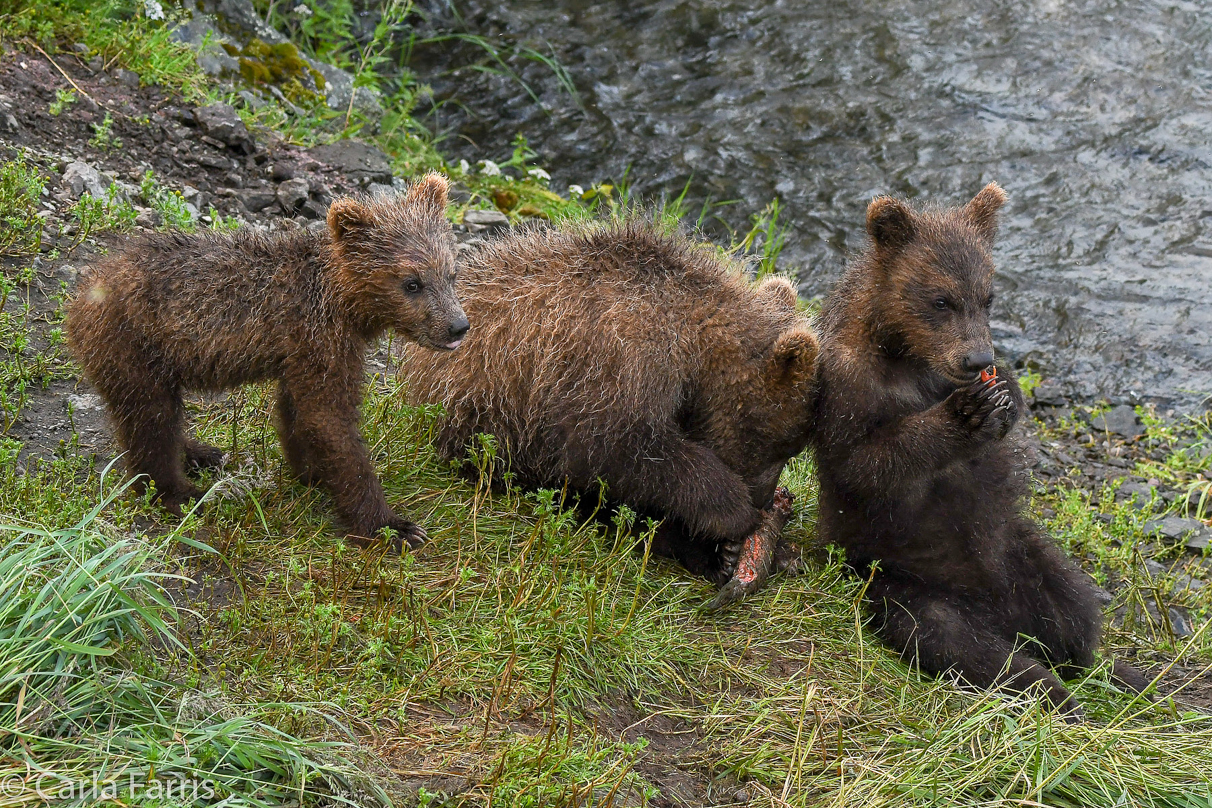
(985, 409)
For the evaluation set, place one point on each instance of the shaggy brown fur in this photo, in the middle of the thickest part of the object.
(621, 355)
(916, 471)
(175, 312)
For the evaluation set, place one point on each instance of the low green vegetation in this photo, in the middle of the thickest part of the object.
(529, 654)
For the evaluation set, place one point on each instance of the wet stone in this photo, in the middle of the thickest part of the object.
(485, 220)
(221, 122)
(1176, 528)
(1121, 420)
(360, 162)
(292, 194)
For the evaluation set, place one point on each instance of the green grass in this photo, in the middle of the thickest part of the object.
(523, 624)
(83, 714)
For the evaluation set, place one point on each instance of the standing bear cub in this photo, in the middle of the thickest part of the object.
(917, 474)
(618, 355)
(175, 312)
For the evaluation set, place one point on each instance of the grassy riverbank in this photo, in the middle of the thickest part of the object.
(524, 656)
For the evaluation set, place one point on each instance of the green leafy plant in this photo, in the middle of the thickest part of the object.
(103, 135)
(170, 205)
(63, 100)
(20, 190)
(113, 212)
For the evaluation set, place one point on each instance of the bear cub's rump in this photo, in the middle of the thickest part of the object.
(174, 312)
(917, 472)
(619, 354)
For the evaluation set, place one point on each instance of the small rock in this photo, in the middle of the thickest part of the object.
(149, 219)
(379, 189)
(485, 220)
(80, 48)
(1121, 420)
(1180, 624)
(358, 161)
(251, 100)
(313, 210)
(1175, 528)
(8, 122)
(221, 122)
(292, 194)
(1198, 542)
(79, 178)
(86, 401)
(256, 200)
(1140, 494)
(281, 172)
(1050, 394)
(129, 78)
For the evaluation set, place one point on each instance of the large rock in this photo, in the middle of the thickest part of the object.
(80, 178)
(222, 122)
(240, 19)
(1191, 532)
(293, 193)
(485, 220)
(358, 161)
(1121, 420)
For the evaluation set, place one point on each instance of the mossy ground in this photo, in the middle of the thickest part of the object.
(529, 654)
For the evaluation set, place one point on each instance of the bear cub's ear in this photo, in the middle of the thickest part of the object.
(982, 210)
(890, 223)
(794, 356)
(346, 217)
(778, 291)
(429, 193)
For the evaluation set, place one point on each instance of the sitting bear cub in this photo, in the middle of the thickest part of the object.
(618, 354)
(917, 474)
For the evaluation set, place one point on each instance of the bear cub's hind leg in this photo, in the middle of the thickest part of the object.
(150, 424)
(943, 636)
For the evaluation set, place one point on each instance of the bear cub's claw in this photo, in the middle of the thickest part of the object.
(987, 410)
(199, 456)
(405, 535)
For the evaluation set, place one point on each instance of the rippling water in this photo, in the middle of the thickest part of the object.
(1096, 117)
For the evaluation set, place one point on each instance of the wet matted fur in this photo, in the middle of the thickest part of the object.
(616, 352)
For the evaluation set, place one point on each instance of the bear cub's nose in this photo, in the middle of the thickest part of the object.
(458, 328)
(978, 360)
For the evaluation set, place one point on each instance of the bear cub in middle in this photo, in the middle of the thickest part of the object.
(620, 354)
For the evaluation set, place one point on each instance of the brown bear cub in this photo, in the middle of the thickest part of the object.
(917, 474)
(618, 355)
(174, 312)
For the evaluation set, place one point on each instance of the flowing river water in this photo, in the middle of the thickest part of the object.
(1095, 116)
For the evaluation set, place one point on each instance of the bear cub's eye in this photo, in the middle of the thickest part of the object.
(412, 286)
(941, 303)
